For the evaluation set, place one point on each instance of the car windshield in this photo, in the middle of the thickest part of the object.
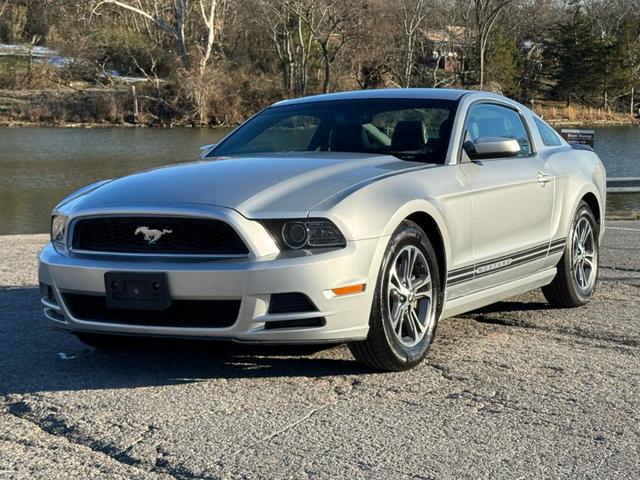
(410, 129)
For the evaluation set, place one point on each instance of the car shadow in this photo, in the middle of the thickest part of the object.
(35, 358)
(513, 306)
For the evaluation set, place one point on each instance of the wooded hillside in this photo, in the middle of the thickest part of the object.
(218, 61)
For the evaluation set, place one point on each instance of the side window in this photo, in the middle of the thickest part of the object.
(548, 134)
(487, 120)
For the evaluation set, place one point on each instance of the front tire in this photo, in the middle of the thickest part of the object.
(406, 306)
(575, 281)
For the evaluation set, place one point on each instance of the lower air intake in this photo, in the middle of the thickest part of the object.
(290, 303)
(182, 313)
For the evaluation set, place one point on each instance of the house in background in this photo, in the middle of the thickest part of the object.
(447, 46)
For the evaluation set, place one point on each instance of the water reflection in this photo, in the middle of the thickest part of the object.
(39, 166)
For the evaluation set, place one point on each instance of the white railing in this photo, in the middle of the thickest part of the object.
(623, 185)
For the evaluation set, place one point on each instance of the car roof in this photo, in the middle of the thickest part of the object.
(399, 93)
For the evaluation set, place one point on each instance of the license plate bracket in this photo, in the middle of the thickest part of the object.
(137, 291)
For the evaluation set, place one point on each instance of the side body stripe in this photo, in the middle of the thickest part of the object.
(504, 262)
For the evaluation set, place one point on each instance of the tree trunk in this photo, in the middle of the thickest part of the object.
(481, 54)
(135, 104)
(605, 88)
(327, 69)
(181, 42)
(327, 72)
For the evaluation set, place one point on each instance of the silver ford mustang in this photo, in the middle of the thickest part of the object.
(360, 217)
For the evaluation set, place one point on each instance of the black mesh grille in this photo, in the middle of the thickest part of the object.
(182, 313)
(182, 236)
(290, 303)
(304, 323)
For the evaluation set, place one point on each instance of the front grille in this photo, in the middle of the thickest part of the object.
(175, 235)
(290, 303)
(182, 313)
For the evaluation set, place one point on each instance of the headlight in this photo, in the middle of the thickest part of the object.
(59, 231)
(296, 234)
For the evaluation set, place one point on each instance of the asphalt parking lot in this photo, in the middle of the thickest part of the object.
(517, 390)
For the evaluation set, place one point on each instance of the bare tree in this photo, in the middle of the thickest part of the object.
(371, 54)
(607, 15)
(301, 29)
(414, 13)
(183, 22)
(3, 7)
(446, 43)
(486, 13)
(332, 25)
(292, 43)
(168, 18)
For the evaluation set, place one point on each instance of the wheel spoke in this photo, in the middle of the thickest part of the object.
(583, 276)
(576, 260)
(418, 327)
(408, 270)
(422, 295)
(585, 233)
(413, 256)
(421, 283)
(394, 279)
(577, 274)
(398, 327)
(396, 312)
(589, 262)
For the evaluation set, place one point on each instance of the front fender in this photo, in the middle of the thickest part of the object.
(421, 206)
(376, 209)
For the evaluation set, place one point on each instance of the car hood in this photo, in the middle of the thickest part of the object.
(265, 186)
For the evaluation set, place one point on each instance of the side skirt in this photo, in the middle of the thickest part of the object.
(499, 292)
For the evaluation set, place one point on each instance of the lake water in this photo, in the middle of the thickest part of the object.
(39, 166)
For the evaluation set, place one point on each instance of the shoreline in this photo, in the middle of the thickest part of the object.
(632, 122)
(80, 125)
(6, 124)
(114, 108)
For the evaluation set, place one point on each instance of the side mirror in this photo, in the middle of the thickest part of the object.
(492, 147)
(205, 149)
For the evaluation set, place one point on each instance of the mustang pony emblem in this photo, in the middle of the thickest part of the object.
(151, 235)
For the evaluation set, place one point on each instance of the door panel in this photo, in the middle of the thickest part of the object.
(512, 199)
(512, 210)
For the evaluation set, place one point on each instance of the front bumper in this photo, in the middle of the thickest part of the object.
(251, 280)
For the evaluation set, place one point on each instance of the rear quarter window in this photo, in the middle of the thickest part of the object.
(549, 136)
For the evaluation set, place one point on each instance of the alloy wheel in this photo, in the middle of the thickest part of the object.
(584, 255)
(410, 296)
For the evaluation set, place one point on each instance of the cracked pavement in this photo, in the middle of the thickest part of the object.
(515, 390)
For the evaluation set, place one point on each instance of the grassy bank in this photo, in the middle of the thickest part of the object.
(559, 114)
(81, 107)
(95, 106)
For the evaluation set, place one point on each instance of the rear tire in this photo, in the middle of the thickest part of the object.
(406, 306)
(575, 281)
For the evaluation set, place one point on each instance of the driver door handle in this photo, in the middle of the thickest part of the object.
(543, 178)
